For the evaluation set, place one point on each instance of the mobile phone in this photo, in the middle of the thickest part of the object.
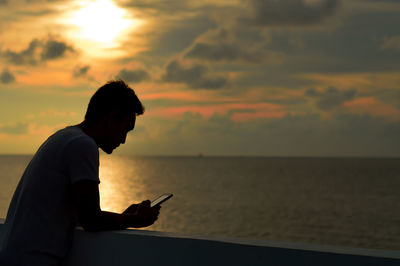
(161, 199)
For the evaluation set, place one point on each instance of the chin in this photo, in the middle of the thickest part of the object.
(107, 150)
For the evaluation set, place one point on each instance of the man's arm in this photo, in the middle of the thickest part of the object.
(92, 218)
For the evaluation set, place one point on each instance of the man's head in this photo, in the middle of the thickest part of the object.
(112, 110)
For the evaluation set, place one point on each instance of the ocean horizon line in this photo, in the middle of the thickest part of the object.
(201, 155)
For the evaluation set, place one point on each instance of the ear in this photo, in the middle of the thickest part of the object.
(115, 115)
(107, 120)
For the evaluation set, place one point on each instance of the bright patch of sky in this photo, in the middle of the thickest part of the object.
(259, 77)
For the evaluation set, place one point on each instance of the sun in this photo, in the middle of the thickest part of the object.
(101, 21)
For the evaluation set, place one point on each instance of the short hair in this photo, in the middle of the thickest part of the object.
(114, 95)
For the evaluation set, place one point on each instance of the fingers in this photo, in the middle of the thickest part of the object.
(149, 214)
(146, 206)
(145, 203)
(156, 210)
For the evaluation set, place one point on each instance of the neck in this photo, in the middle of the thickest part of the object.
(90, 129)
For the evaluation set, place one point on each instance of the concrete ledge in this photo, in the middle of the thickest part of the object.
(139, 247)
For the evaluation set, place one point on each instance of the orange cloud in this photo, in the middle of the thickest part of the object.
(57, 113)
(240, 117)
(340, 80)
(373, 107)
(367, 80)
(38, 77)
(43, 130)
(205, 96)
(171, 96)
(240, 111)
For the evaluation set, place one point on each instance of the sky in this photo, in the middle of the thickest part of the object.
(240, 78)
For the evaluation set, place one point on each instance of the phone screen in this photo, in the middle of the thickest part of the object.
(160, 199)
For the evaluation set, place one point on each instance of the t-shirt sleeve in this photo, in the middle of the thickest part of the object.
(82, 157)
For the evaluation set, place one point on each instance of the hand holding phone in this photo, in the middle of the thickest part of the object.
(145, 215)
(161, 199)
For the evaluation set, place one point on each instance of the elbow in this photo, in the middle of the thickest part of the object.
(90, 227)
(90, 223)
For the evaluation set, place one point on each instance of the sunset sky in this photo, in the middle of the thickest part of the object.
(228, 77)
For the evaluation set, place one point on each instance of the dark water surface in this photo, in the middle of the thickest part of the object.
(336, 201)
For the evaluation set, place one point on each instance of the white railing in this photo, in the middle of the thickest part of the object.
(140, 247)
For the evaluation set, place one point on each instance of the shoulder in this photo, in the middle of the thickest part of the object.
(77, 141)
(82, 142)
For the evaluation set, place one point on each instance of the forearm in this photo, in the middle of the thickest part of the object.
(105, 221)
(112, 221)
(87, 203)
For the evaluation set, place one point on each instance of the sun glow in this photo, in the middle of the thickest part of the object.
(101, 21)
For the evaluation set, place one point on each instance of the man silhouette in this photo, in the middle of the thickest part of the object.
(59, 188)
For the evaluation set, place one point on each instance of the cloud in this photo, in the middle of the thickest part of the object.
(134, 76)
(331, 97)
(168, 6)
(52, 49)
(6, 76)
(237, 111)
(391, 43)
(196, 76)
(15, 128)
(231, 52)
(290, 13)
(39, 51)
(25, 57)
(385, 1)
(218, 52)
(55, 113)
(81, 71)
(234, 45)
(371, 105)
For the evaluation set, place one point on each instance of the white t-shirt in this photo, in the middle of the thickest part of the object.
(40, 221)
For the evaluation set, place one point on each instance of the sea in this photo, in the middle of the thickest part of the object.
(352, 202)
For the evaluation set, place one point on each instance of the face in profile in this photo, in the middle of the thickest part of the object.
(115, 130)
